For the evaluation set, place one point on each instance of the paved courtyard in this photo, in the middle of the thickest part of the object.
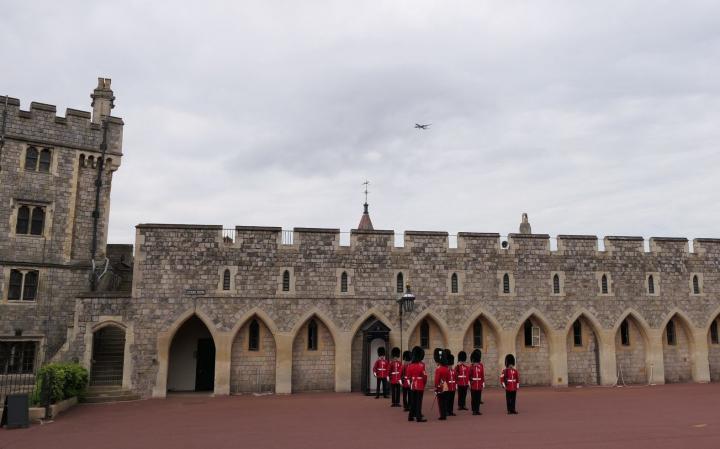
(671, 416)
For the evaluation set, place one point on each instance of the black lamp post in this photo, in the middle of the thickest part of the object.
(406, 303)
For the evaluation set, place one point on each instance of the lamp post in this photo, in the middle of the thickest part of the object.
(406, 303)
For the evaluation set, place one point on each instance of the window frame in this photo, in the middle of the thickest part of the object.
(23, 294)
(478, 334)
(286, 281)
(714, 336)
(226, 280)
(312, 335)
(577, 334)
(6, 355)
(254, 340)
(400, 283)
(454, 283)
(671, 333)
(625, 333)
(343, 282)
(425, 334)
(506, 283)
(28, 151)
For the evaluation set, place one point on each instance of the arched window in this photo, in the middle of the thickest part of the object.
(506, 283)
(286, 281)
(454, 287)
(254, 336)
(577, 333)
(312, 337)
(45, 158)
(226, 279)
(556, 284)
(714, 338)
(23, 220)
(477, 334)
(670, 331)
(344, 282)
(651, 285)
(604, 284)
(625, 333)
(15, 287)
(31, 159)
(30, 286)
(400, 283)
(528, 333)
(696, 284)
(425, 334)
(38, 221)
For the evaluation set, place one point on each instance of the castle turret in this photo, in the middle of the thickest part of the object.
(525, 225)
(103, 100)
(365, 222)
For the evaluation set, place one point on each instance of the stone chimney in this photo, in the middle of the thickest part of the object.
(525, 225)
(103, 100)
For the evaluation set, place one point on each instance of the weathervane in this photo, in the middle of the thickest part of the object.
(366, 183)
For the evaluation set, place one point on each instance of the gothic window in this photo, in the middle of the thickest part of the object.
(714, 338)
(625, 333)
(226, 279)
(531, 334)
(577, 333)
(670, 331)
(506, 283)
(454, 283)
(400, 283)
(31, 159)
(23, 285)
(30, 220)
(312, 338)
(425, 334)
(344, 282)
(254, 336)
(17, 357)
(556, 284)
(38, 221)
(651, 285)
(477, 334)
(286, 281)
(604, 284)
(696, 284)
(23, 220)
(45, 158)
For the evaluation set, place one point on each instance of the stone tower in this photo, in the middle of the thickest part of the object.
(525, 225)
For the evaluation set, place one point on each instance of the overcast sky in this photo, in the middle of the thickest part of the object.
(593, 117)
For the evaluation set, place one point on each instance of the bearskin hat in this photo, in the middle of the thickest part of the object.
(418, 354)
(509, 360)
(438, 356)
(395, 352)
(450, 359)
(462, 356)
(381, 351)
(475, 356)
(407, 356)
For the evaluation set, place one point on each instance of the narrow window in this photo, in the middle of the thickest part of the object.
(30, 286)
(577, 333)
(556, 284)
(344, 282)
(31, 159)
(226, 280)
(454, 283)
(696, 285)
(625, 333)
(23, 220)
(477, 334)
(604, 284)
(312, 344)
(286, 281)
(400, 283)
(424, 335)
(528, 331)
(38, 221)
(506, 283)
(254, 336)
(15, 288)
(45, 157)
(670, 331)
(714, 338)
(651, 285)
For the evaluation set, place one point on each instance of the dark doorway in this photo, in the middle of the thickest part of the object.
(375, 334)
(205, 369)
(108, 354)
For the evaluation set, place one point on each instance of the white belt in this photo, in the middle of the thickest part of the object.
(476, 378)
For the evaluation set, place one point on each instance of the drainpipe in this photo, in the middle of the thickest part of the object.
(96, 211)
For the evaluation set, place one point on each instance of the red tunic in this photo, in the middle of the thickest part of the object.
(477, 377)
(380, 368)
(405, 378)
(510, 379)
(442, 377)
(395, 371)
(452, 380)
(462, 372)
(418, 376)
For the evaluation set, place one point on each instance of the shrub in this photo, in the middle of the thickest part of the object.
(66, 380)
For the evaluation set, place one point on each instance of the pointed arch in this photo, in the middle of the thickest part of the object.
(373, 311)
(542, 320)
(643, 325)
(686, 321)
(253, 369)
(584, 313)
(315, 312)
(305, 375)
(714, 315)
(105, 323)
(427, 313)
(678, 353)
(482, 313)
(185, 316)
(248, 315)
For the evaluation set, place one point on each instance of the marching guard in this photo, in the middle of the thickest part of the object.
(441, 382)
(462, 374)
(510, 381)
(418, 378)
(395, 367)
(380, 371)
(477, 381)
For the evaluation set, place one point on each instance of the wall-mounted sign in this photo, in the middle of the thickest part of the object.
(194, 292)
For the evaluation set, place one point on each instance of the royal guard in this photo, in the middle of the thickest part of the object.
(441, 383)
(462, 374)
(395, 377)
(452, 383)
(418, 378)
(407, 357)
(381, 370)
(510, 381)
(477, 381)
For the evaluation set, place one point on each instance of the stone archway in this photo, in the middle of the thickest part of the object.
(191, 361)
(677, 351)
(583, 353)
(532, 351)
(357, 355)
(427, 333)
(108, 355)
(713, 337)
(631, 351)
(252, 359)
(313, 357)
(482, 334)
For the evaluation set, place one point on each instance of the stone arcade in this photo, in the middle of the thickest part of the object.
(259, 309)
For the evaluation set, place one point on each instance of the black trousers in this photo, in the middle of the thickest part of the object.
(395, 393)
(510, 397)
(443, 400)
(383, 381)
(462, 394)
(475, 399)
(451, 402)
(405, 394)
(416, 399)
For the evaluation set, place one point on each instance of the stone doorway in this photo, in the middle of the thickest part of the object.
(108, 356)
(191, 365)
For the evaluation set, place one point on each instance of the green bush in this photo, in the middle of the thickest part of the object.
(66, 380)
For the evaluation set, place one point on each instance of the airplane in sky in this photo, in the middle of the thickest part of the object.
(419, 126)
